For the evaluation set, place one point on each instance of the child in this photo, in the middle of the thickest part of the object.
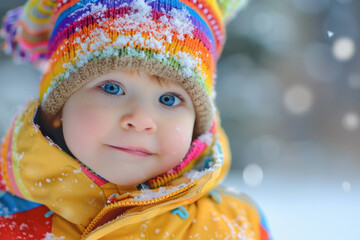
(124, 141)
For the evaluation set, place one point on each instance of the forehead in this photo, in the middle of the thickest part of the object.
(159, 80)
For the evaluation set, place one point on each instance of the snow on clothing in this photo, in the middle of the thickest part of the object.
(46, 194)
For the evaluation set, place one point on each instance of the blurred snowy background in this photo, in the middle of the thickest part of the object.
(289, 96)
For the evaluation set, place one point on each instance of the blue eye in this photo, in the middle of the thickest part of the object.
(113, 89)
(169, 100)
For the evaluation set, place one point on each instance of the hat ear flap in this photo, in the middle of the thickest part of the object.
(229, 8)
(26, 31)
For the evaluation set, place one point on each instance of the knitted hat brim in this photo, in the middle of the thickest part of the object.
(56, 99)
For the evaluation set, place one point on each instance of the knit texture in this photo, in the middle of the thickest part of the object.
(26, 31)
(74, 41)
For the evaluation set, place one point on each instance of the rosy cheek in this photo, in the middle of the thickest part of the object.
(89, 119)
(85, 126)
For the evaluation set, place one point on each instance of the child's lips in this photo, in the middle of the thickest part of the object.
(139, 152)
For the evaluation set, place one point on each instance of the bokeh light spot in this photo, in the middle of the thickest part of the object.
(253, 175)
(343, 48)
(346, 186)
(350, 121)
(298, 99)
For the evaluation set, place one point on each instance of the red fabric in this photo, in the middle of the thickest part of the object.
(31, 224)
(263, 234)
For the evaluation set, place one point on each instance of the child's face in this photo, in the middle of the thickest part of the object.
(127, 127)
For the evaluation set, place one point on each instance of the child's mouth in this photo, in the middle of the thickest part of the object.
(139, 152)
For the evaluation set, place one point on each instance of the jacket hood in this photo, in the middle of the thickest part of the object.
(33, 167)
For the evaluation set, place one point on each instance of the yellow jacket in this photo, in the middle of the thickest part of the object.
(55, 197)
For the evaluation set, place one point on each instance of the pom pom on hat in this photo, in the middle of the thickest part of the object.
(26, 31)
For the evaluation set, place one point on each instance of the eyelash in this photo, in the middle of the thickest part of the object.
(99, 88)
(182, 100)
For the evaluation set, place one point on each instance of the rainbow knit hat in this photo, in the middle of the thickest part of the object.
(74, 41)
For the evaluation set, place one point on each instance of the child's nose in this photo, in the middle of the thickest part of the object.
(139, 121)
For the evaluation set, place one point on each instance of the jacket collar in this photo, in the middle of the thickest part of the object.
(35, 168)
